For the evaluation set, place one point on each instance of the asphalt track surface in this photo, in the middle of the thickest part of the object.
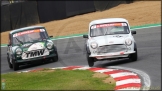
(72, 53)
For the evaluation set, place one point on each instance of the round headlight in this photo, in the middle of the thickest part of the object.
(49, 45)
(128, 42)
(18, 51)
(94, 45)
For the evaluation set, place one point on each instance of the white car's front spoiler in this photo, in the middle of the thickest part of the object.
(112, 55)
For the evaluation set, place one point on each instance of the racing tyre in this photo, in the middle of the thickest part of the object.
(90, 60)
(9, 63)
(134, 56)
(55, 58)
(15, 65)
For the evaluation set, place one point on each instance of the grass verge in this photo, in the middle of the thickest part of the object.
(56, 80)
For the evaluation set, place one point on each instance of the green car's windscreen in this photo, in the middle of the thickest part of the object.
(29, 36)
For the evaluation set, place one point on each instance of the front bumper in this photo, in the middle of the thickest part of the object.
(112, 55)
(34, 59)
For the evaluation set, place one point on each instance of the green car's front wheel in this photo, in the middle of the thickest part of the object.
(15, 65)
(55, 58)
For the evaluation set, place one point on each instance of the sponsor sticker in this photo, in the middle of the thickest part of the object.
(28, 32)
(35, 53)
(107, 25)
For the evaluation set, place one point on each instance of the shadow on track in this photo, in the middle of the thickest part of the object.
(113, 62)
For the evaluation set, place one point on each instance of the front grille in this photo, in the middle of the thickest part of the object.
(111, 48)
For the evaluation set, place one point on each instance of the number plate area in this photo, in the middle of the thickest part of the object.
(35, 53)
(111, 49)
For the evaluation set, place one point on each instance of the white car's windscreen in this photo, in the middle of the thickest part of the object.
(109, 29)
(29, 36)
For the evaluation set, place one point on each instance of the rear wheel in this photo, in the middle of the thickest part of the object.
(90, 60)
(134, 56)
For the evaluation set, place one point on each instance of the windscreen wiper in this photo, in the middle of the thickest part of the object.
(19, 40)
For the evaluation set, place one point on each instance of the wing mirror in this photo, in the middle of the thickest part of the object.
(85, 36)
(133, 32)
(8, 44)
(51, 36)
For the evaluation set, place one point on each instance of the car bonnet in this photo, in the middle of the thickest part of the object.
(109, 39)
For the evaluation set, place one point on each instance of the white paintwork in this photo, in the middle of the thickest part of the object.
(36, 46)
(24, 55)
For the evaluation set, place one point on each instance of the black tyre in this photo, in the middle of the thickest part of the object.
(90, 60)
(55, 58)
(134, 56)
(15, 65)
(9, 63)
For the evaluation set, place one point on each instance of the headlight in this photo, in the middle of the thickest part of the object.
(18, 51)
(49, 45)
(94, 45)
(128, 42)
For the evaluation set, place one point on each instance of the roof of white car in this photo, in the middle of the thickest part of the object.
(108, 20)
(25, 28)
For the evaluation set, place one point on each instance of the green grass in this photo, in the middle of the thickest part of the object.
(56, 80)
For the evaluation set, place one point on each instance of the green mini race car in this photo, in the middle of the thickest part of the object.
(29, 44)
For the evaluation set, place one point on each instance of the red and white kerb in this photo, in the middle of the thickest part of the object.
(125, 79)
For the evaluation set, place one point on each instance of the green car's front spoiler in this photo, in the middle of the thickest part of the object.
(37, 58)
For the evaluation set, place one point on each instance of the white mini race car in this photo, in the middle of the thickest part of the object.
(110, 39)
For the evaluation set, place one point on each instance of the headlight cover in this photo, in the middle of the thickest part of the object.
(94, 45)
(128, 42)
(18, 51)
(49, 45)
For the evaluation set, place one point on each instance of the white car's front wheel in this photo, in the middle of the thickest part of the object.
(134, 56)
(90, 60)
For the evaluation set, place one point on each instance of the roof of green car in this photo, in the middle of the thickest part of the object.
(25, 28)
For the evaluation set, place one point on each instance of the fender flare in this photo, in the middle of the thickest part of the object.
(135, 46)
(87, 49)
